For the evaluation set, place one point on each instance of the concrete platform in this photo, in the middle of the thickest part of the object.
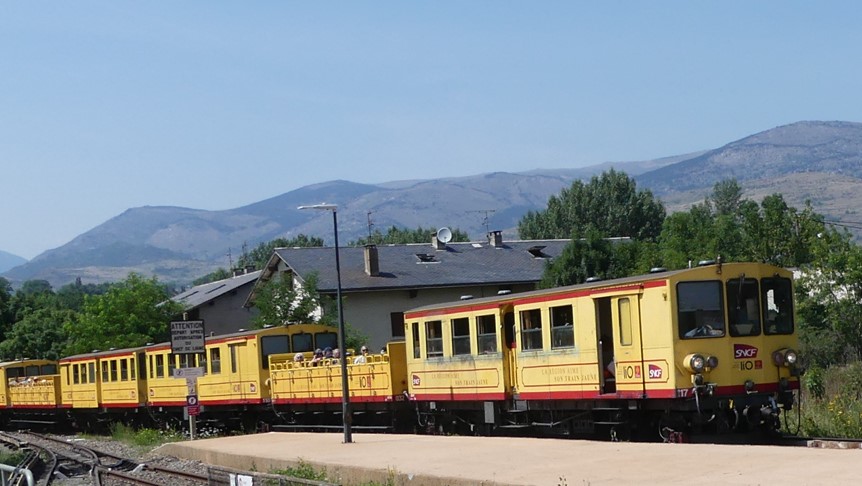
(437, 460)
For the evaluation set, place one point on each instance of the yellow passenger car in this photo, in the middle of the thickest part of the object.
(235, 367)
(29, 384)
(712, 345)
(103, 380)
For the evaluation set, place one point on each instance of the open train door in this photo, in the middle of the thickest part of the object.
(507, 316)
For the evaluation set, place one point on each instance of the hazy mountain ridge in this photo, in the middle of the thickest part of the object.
(816, 161)
(8, 260)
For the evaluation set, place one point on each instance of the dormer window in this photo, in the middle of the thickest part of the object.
(426, 258)
(537, 252)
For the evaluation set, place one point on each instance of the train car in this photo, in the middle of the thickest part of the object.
(706, 349)
(29, 392)
(234, 370)
(308, 395)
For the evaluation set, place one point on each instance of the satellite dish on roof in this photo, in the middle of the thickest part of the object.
(444, 235)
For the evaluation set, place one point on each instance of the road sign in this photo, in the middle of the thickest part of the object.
(194, 410)
(187, 337)
(192, 400)
(196, 372)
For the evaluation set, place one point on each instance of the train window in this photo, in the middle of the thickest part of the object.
(273, 345)
(486, 334)
(531, 329)
(124, 370)
(84, 377)
(417, 353)
(215, 360)
(202, 361)
(49, 369)
(172, 364)
(302, 342)
(113, 370)
(562, 327)
(460, 336)
(777, 295)
(233, 357)
(699, 309)
(326, 340)
(76, 374)
(104, 371)
(625, 316)
(14, 372)
(434, 339)
(160, 366)
(187, 360)
(91, 375)
(743, 306)
(32, 370)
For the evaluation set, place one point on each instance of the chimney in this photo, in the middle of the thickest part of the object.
(495, 239)
(437, 244)
(372, 263)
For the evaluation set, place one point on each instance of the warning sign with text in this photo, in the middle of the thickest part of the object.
(187, 337)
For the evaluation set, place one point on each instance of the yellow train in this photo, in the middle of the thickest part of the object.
(711, 348)
(670, 353)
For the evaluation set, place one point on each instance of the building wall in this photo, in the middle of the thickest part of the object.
(225, 313)
(369, 312)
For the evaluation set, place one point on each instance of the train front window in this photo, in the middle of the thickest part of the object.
(700, 312)
(777, 295)
(743, 307)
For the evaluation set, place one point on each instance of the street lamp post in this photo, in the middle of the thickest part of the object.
(346, 417)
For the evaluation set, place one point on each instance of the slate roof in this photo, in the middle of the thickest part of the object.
(419, 265)
(202, 294)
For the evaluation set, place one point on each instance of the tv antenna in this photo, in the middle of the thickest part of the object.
(229, 259)
(370, 224)
(485, 219)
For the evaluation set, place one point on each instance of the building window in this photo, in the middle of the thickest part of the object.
(460, 336)
(531, 329)
(434, 339)
(562, 327)
(396, 321)
(486, 334)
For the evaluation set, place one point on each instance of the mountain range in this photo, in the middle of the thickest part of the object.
(816, 161)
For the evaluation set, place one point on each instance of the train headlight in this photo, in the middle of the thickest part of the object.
(712, 362)
(785, 357)
(695, 363)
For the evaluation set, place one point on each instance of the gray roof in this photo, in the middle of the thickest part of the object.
(202, 294)
(420, 265)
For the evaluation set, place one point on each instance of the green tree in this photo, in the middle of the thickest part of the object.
(401, 236)
(609, 203)
(281, 302)
(7, 316)
(132, 313)
(726, 197)
(218, 274)
(40, 335)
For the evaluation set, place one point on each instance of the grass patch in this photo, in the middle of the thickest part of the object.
(831, 403)
(143, 437)
(11, 458)
(303, 470)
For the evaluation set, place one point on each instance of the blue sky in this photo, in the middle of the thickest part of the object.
(213, 105)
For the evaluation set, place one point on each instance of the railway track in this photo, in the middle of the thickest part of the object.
(103, 468)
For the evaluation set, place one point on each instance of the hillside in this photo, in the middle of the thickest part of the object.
(8, 260)
(816, 161)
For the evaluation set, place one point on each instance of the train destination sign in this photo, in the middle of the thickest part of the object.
(187, 337)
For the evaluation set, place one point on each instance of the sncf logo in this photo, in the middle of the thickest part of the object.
(654, 372)
(744, 351)
(416, 380)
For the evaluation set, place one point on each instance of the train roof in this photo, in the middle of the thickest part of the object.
(658, 275)
(167, 344)
(25, 362)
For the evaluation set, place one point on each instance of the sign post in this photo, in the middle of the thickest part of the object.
(188, 337)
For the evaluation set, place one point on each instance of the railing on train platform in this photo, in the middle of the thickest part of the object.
(9, 475)
(217, 476)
